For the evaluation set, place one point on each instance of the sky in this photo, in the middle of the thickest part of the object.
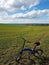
(24, 11)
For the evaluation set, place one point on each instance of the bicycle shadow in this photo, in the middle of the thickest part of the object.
(44, 60)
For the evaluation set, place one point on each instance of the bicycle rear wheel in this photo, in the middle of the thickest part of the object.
(38, 53)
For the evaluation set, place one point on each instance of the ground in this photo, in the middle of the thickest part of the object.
(11, 42)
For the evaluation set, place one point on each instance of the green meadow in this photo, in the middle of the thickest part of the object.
(11, 42)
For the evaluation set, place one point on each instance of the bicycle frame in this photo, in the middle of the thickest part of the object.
(31, 51)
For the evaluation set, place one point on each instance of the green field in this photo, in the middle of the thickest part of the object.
(11, 42)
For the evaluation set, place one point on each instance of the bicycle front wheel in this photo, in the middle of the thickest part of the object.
(25, 61)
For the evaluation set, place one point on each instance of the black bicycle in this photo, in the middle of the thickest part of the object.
(24, 56)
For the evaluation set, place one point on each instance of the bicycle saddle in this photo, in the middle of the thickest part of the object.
(37, 43)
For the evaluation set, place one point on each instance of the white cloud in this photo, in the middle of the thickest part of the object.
(24, 21)
(32, 14)
(19, 5)
(37, 13)
(19, 17)
(3, 15)
(12, 5)
(23, 8)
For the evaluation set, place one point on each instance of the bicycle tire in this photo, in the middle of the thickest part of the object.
(18, 57)
(38, 53)
(24, 54)
(25, 61)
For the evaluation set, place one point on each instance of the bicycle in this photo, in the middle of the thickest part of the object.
(21, 60)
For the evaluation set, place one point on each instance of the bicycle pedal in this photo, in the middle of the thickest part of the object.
(18, 58)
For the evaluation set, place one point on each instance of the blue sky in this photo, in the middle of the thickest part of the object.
(44, 4)
(24, 11)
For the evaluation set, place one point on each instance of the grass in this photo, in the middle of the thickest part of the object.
(11, 42)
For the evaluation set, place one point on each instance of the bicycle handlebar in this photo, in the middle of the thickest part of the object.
(37, 42)
(25, 40)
